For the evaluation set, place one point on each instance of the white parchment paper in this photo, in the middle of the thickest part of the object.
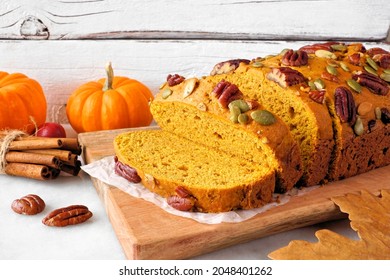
(104, 171)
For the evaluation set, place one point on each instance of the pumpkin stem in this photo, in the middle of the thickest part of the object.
(110, 77)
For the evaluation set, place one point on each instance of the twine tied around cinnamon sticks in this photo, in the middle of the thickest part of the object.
(38, 157)
(5, 142)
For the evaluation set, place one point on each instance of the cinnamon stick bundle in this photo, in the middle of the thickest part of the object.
(73, 160)
(72, 169)
(22, 157)
(31, 144)
(69, 144)
(34, 171)
(61, 154)
(42, 158)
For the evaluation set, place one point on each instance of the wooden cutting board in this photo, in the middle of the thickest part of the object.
(147, 232)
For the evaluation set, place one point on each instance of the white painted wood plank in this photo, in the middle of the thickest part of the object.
(232, 19)
(62, 66)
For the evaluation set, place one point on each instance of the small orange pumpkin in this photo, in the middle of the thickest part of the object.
(22, 102)
(110, 103)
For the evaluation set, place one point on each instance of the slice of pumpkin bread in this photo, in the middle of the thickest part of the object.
(191, 176)
(216, 114)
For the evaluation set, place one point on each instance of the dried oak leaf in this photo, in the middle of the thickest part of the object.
(370, 218)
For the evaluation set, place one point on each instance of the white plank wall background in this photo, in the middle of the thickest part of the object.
(64, 43)
(237, 19)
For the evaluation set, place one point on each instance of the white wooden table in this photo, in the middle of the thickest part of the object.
(63, 44)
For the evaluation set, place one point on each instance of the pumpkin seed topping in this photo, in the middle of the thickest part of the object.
(241, 104)
(371, 70)
(166, 93)
(354, 85)
(264, 140)
(385, 76)
(312, 85)
(243, 118)
(344, 66)
(339, 47)
(358, 127)
(263, 117)
(234, 110)
(378, 113)
(257, 64)
(234, 113)
(325, 54)
(333, 63)
(372, 63)
(162, 85)
(189, 87)
(319, 84)
(331, 70)
(201, 106)
(233, 118)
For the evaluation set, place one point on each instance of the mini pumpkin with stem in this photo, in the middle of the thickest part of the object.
(23, 103)
(109, 103)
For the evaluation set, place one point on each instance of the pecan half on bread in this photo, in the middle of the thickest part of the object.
(126, 171)
(226, 92)
(228, 66)
(182, 201)
(285, 76)
(295, 58)
(372, 82)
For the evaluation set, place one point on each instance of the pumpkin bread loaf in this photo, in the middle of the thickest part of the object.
(333, 96)
(195, 109)
(313, 115)
(191, 176)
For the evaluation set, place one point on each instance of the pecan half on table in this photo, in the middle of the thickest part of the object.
(71, 215)
(30, 204)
